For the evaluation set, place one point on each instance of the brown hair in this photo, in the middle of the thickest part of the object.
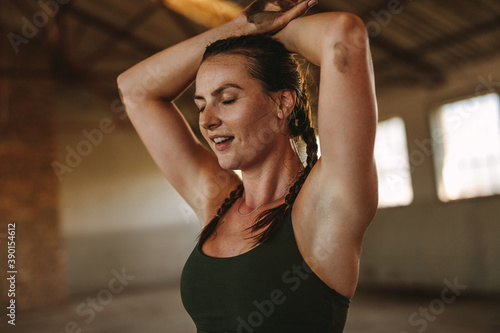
(276, 68)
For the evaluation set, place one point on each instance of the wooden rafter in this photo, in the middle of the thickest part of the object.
(119, 34)
(459, 37)
(181, 21)
(111, 29)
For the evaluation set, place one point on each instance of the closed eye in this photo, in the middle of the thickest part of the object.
(229, 101)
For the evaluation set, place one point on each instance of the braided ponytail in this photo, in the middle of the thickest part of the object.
(276, 68)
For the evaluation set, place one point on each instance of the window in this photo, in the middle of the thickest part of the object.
(466, 136)
(393, 168)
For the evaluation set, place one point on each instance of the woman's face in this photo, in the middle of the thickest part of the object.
(237, 118)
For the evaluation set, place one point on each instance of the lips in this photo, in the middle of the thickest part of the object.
(222, 142)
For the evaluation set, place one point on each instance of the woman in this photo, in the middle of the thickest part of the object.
(280, 247)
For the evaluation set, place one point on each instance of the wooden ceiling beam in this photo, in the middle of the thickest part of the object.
(181, 21)
(111, 29)
(408, 58)
(119, 34)
(459, 37)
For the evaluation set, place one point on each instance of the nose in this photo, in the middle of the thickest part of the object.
(208, 118)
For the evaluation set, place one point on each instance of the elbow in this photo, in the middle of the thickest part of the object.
(347, 29)
(120, 80)
(351, 22)
(124, 84)
(131, 93)
(124, 89)
(136, 87)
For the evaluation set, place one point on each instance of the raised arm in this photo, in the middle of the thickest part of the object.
(347, 111)
(149, 89)
(339, 198)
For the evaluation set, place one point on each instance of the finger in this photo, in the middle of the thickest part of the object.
(298, 10)
(254, 8)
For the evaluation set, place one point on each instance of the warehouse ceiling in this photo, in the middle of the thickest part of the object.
(413, 42)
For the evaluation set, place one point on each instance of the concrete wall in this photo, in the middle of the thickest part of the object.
(117, 209)
(429, 241)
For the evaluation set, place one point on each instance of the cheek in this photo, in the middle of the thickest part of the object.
(251, 120)
(257, 114)
(260, 133)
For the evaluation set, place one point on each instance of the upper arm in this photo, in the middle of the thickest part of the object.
(345, 175)
(190, 167)
(347, 116)
(347, 108)
(149, 89)
(339, 197)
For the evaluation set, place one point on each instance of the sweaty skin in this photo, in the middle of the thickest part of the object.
(341, 57)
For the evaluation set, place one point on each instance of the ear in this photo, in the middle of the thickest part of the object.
(286, 99)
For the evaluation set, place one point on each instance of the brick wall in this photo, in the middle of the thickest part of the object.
(29, 193)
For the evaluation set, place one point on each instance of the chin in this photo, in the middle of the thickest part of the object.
(228, 164)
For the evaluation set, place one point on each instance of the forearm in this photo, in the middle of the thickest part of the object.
(165, 75)
(315, 36)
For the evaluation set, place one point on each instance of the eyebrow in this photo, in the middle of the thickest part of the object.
(220, 90)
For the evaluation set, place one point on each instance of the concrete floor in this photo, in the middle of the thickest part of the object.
(159, 309)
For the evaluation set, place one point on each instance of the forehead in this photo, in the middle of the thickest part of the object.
(221, 69)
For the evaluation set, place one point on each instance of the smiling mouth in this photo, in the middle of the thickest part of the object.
(222, 142)
(222, 139)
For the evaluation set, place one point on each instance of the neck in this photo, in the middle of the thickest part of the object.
(270, 180)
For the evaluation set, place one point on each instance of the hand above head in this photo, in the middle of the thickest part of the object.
(270, 16)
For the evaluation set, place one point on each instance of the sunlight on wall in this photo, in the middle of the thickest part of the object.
(393, 168)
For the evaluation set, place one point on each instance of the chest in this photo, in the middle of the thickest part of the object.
(232, 236)
(222, 293)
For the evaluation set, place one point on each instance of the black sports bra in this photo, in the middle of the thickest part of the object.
(269, 289)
